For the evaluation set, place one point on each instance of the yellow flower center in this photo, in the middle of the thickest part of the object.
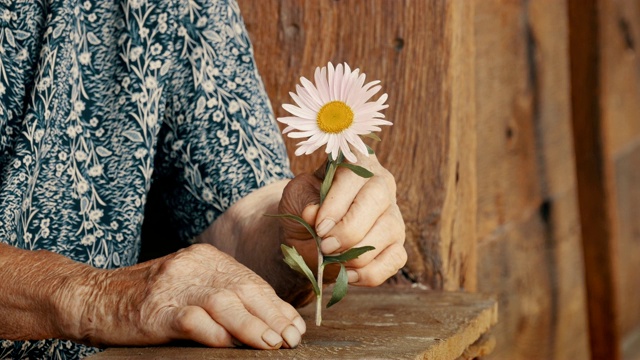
(334, 117)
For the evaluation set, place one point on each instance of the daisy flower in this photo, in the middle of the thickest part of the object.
(335, 111)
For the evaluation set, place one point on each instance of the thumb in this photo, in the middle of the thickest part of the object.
(300, 197)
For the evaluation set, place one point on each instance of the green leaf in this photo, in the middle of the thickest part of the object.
(340, 288)
(296, 218)
(296, 262)
(358, 170)
(350, 254)
(373, 136)
(328, 180)
(369, 149)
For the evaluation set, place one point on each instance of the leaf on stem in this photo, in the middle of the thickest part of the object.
(296, 262)
(298, 219)
(358, 170)
(373, 136)
(340, 288)
(328, 180)
(369, 149)
(350, 254)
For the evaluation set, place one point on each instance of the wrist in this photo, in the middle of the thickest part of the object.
(72, 295)
(101, 307)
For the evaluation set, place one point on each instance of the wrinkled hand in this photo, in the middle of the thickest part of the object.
(199, 294)
(357, 212)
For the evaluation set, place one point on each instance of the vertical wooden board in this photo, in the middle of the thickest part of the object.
(511, 264)
(620, 99)
(526, 180)
(627, 169)
(507, 186)
(569, 338)
(548, 49)
(534, 267)
(549, 74)
(594, 177)
(406, 44)
(458, 229)
(620, 73)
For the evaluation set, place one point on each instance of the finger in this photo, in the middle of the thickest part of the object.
(194, 323)
(275, 316)
(226, 308)
(381, 268)
(370, 204)
(344, 189)
(299, 194)
(388, 230)
(291, 313)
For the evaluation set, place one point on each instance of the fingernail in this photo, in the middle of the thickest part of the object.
(236, 342)
(325, 226)
(300, 324)
(272, 338)
(353, 276)
(329, 245)
(292, 336)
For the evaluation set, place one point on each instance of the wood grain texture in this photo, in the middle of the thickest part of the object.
(368, 324)
(422, 51)
(528, 224)
(594, 178)
(620, 99)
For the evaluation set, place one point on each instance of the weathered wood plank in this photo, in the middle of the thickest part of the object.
(627, 177)
(594, 178)
(422, 51)
(528, 225)
(367, 324)
(620, 99)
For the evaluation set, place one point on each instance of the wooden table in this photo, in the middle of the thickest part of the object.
(384, 323)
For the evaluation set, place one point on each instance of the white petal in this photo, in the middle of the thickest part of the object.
(353, 93)
(323, 86)
(314, 92)
(303, 113)
(330, 75)
(364, 97)
(302, 134)
(358, 116)
(304, 94)
(300, 151)
(303, 103)
(368, 107)
(305, 126)
(337, 82)
(344, 146)
(355, 140)
(348, 84)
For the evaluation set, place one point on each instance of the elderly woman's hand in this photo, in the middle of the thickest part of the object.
(199, 294)
(357, 212)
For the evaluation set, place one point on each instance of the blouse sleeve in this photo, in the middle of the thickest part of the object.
(219, 139)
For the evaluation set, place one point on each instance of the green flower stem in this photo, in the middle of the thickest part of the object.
(319, 295)
(332, 166)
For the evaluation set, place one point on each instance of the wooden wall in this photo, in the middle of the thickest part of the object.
(620, 103)
(482, 146)
(528, 227)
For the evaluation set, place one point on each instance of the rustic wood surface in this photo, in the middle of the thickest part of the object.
(596, 193)
(423, 53)
(529, 250)
(368, 324)
(620, 99)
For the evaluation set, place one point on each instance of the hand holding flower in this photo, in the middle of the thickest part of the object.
(357, 222)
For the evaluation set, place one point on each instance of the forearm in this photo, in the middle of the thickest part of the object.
(254, 240)
(32, 299)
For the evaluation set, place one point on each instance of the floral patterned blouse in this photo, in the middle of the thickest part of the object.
(101, 100)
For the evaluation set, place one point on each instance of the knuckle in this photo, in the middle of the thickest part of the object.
(372, 280)
(186, 320)
(223, 300)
